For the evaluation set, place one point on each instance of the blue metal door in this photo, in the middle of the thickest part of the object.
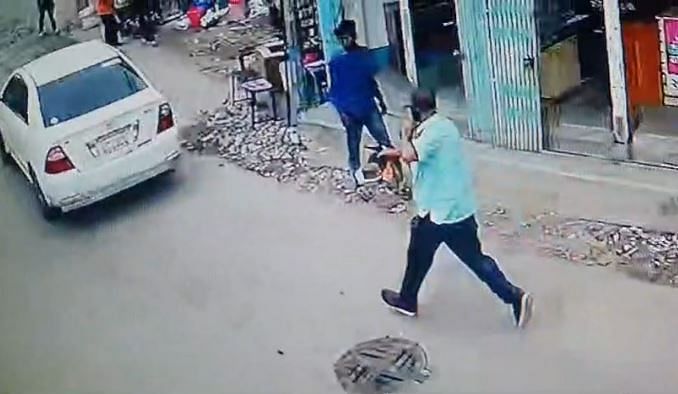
(472, 20)
(514, 54)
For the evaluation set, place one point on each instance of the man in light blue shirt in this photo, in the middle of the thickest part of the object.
(446, 208)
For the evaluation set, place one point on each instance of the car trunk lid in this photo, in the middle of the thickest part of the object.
(128, 125)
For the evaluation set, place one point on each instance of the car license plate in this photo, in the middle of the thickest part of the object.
(114, 142)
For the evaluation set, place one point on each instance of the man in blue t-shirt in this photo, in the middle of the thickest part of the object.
(446, 208)
(355, 94)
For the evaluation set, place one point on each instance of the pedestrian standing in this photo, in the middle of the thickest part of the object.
(106, 11)
(46, 7)
(443, 192)
(354, 92)
(142, 12)
(155, 11)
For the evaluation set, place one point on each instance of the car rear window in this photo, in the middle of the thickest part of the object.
(88, 90)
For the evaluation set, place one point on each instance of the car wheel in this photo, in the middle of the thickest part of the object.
(48, 212)
(4, 154)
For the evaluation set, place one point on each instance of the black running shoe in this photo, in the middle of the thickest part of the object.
(393, 300)
(523, 309)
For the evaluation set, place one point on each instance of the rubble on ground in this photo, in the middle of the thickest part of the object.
(646, 254)
(224, 47)
(269, 150)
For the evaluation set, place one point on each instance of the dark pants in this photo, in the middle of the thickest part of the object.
(354, 132)
(46, 7)
(462, 239)
(142, 11)
(154, 6)
(185, 5)
(110, 29)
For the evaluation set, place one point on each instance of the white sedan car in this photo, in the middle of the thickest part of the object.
(83, 123)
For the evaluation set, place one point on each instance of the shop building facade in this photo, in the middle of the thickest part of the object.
(592, 77)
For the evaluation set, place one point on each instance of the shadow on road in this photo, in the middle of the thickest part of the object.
(126, 204)
(129, 202)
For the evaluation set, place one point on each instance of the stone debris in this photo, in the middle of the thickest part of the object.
(646, 254)
(271, 151)
(491, 218)
(221, 49)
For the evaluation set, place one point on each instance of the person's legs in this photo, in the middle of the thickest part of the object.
(184, 6)
(106, 23)
(354, 130)
(110, 30)
(41, 17)
(462, 239)
(147, 28)
(425, 238)
(154, 6)
(49, 6)
(377, 129)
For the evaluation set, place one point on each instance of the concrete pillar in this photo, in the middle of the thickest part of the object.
(621, 123)
(408, 41)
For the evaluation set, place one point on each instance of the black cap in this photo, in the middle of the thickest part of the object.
(346, 27)
(423, 99)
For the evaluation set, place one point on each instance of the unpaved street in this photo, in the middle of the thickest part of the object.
(198, 283)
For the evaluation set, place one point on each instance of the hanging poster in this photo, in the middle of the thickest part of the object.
(668, 28)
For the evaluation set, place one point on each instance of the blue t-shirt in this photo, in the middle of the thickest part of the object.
(442, 182)
(354, 88)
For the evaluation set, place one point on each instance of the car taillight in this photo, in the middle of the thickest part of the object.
(57, 161)
(165, 118)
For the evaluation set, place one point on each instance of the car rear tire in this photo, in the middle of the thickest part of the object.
(4, 154)
(48, 212)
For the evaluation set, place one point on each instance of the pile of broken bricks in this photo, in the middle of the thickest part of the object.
(647, 254)
(271, 151)
(222, 48)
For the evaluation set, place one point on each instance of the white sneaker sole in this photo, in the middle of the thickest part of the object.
(526, 310)
(402, 311)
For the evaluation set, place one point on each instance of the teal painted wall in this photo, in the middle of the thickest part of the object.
(329, 14)
(382, 56)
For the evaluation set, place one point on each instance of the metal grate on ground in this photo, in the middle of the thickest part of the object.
(384, 365)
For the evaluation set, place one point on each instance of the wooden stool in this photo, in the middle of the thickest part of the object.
(254, 87)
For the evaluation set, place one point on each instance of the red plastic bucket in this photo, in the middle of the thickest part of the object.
(194, 15)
